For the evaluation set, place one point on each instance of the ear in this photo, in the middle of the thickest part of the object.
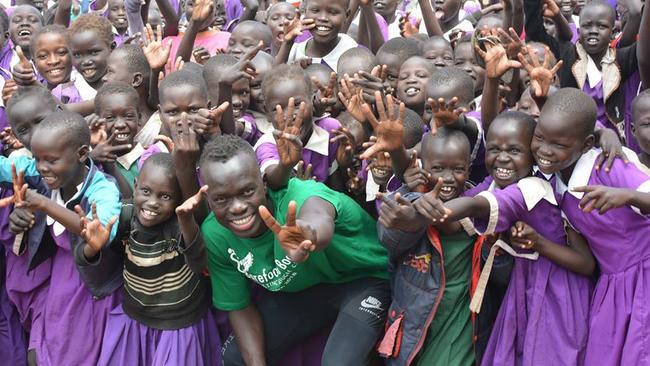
(136, 80)
(113, 45)
(6, 35)
(82, 153)
(589, 143)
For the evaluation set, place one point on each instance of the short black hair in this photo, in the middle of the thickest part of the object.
(23, 92)
(72, 125)
(643, 95)
(603, 3)
(524, 121)
(116, 87)
(162, 160)
(413, 128)
(223, 148)
(402, 47)
(193, 67)
(359, 58)
(263, 58)
(93, 22)
(52, 28)
(136, 61)
(436, 39)
(215, 65)
(579, 109)
(265, 31)
(446, 136)
(281, 73)
(457, 78)
(27, 6)
(4, 20)
(182, 78)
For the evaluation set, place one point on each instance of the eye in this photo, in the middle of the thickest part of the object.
(145, 190)
(194, 109)
(166, 197)
(514, 151)
(436, 168)
(249, 192)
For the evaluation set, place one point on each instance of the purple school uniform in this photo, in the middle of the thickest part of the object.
(619, 314)
(74, 91)
(74, 320)
(631, 87)
(251, 133)
(596, 93)
(6, 55)
(544, 315)
(319, 151)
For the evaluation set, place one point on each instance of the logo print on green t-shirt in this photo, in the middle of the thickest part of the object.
(272, 278)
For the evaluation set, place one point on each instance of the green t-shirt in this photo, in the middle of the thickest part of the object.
(353, 253)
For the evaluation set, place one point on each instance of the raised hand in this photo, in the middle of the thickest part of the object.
(416, 178)
(93, 232)
(9, 139)
(345, 150)
(541, 76)
(8, 90)
(444, 113)
(370, 83)
(430, 206)
(186, 143)
(399, 214)
(389, 129)
(352, 98)
(207, 122)
(304, 173)
(242, 69)
(287, 137)
(408, 29)
(603, 198)
(511, 41)
(97, 130)
(326, 98)
(297, 240)
(551, 10)
(106, 152)
(523, 235)
(496, 60)
(202, 10)
(156, 52)
(355, 185)
(190, 205)
(19, 188)
(201, 55)
(23, 71)
(296, 26)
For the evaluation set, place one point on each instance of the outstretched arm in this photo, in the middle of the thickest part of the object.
(643, 47)
(430, 20)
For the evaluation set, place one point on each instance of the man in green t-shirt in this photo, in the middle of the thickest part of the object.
(314, 249)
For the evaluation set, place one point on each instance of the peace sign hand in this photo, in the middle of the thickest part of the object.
(430, 206)
(105, 151)
(93, 232)
(287, 137)
(297, 239)
(19, 187)
(305, 173)
(390, 127)
(355, 184)
(242, 69)
(326, 98)
(541, 76)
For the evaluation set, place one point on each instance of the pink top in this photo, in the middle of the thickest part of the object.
(212, 40)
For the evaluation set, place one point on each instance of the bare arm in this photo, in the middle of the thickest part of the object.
(249, 332)
(170, 15)
(643, 47)
(430, 20)
(62, 15)
(375, 38)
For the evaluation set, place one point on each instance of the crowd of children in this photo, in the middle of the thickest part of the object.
(325, 182)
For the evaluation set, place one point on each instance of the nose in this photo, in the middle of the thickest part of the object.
(503, 157)
(237, 207)
(42, 167)
(447, 176)
(52, 59)
(544, 150)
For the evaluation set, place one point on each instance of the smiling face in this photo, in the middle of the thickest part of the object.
(117, 15)
(60, 164)
(329, 16)
(25, 115)
(566, 7)
(596, 25)
(556, 146)
(236, 191)
(641, 117)
(178, 99)
(220, 18)
(25, 21)
(89, 55)
(413, 78)
(243, 39)
(465, 60)
(448, 160)
(117, 68)
(507, 152)
(280, 15)
(241, 97)
(120, 111)
(383, 169)
(438, 51)
(393, 64)
(52, 58)
(155, 196)
(280, 93)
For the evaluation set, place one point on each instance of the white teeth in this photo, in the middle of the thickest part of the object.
(504, 171)
(56, 72)
(24, 32)
(88, 72)
(242, 221)
(412, 91)
(380, 172)
(148, 213)
(544, 161)
(122, 136)
(322, 28)
(446, 189)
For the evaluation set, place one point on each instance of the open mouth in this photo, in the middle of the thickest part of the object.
(544, 164)
(148, 214)
(24, 33)
(323, 30)
(411, 91)
(56, 72)
(592, 41)
(447, 192)
(439, 13)
(120, 21)
(88, 73)
(566, 8)
(122, 136)
(380, 5)
(243, 223)
(381, 173)
(236, 112)
(503, 173)
(49, 180)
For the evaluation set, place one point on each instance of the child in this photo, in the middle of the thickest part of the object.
(355, 60)
(263, 63)
(90, 41)
(165, 317)
(6, 52)
(81, 294)
(439, 51)
(277, 16)
(326, 43)
(412, 84)
(393, 54)
(555, 287)
(51, 55)
(25, 21)
(117, 16)
(290, 84)
(432, 269)
(563, 147)
(246, 36)
(466, 59)
(641, 130)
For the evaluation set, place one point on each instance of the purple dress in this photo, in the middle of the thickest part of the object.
(319, 151)
(544, 315)
(620, 240)
(74, 320)
(596, 93)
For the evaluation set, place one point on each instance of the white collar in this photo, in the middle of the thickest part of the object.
(319, 141)
(128, 159)
(263, 124)
(331, 59)
(593, 74)
(372, 188)
(534, 190)
(86, 92)
(56, 196)
(580, 175)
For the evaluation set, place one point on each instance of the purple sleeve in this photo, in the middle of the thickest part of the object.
(620, 176)
(267, 155)
(251, 133)
(151, 150)
(383, 26)
(506, 206)
(233, 9)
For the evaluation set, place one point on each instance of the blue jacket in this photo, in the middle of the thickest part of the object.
(104, 277)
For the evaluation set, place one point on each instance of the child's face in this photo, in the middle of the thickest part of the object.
(219, 15)
(448, 161)
(117, 15)
(447, 92)
(235, 193)
(52, 58)
(280, 94)
(507, 153)
(121, 115)
(393, 64)
(596, 24)
(641, 115)
(555, 144)
(549, 25)
(25, 21)
(385, 8)
(241, 97)
(329, 16)
(25, 115)
(383, 169)
(439, 52)
(528, 105)
(411, 85)
(89, 55)
(178, 99)
(280, 14)
(58, 161)
(446, 10)
(117, 69)
(155, 19)
(155, 195)
(465, 60)
(256, 97)
(243, 39)
(566, 7)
